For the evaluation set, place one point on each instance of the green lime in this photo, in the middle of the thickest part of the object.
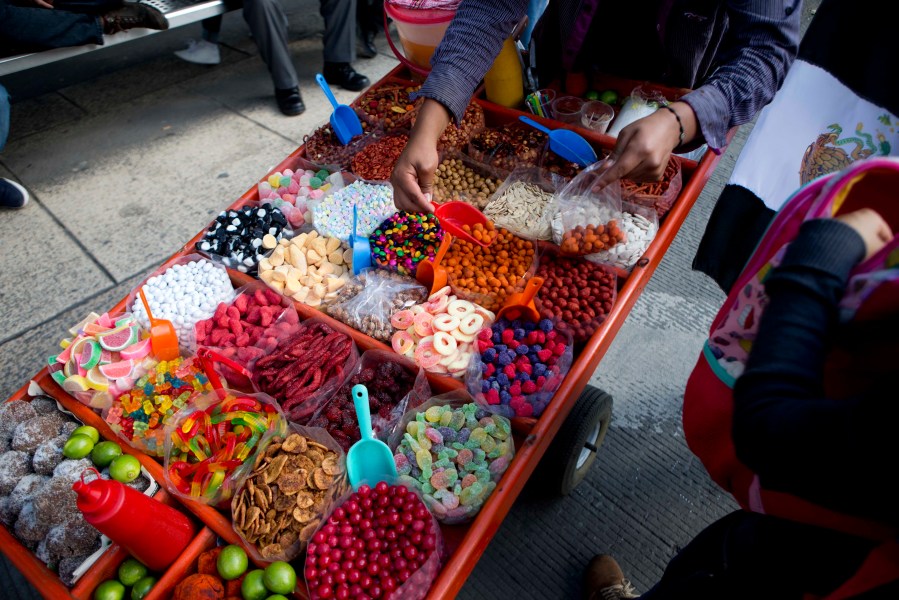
(276, 597)
(131, 571)
(142, 587)
(89, 431)
(592, 95)
(104, 453)
(280, 578)
(610, 97)
(109, 590)
(77, 446)
(232, 562)
(253, 588)
(124, 468)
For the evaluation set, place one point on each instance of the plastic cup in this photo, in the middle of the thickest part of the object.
(596, 115)
(546, 97)
(567, 109)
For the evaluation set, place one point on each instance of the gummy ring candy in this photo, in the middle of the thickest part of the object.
(437, 305)
(417, 309)
(402, 342)
(471, 324)
(422, 324)
(445, 323)
(462, 337)
(402, 319)
(444, 343)
(426, 356)
(438, 368)
(449, 358)
(460, 308)
(444, 291)
(488, 316)
(461, 363)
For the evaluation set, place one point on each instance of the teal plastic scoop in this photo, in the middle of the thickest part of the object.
(566, 143)
(369, 460)
(344, 120)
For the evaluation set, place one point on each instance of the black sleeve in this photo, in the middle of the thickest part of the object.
(832, 452)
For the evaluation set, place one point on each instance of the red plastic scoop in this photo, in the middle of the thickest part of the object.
(454, 216)
(163, 338)
(521, 304)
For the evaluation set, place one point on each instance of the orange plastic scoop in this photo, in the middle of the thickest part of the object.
(521, 304)
(432, 274)
(163, 338)
(454, 216)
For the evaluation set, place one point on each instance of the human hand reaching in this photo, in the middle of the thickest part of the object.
(873, 229)
(413, 177)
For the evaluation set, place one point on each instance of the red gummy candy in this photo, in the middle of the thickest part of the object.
(222, 322)
(516, 401)
(260, 298)
(241, 303)
(228, 339)
(265, 316)
(525, 410)
(235, 326)
(526, 368)
(515, 389)
(273, 298)
(541, 381)
(514, 344)
(242, 340)
(551, 335)
(200, 331)
(483, 345)
(559, 349)
(544, 355)
(490, 370)
(253, 315)
(233, 313)
(508, 335)
(492, 396)
(485, 334)
(528, 387)
(220, 311)
(290, 317)
(216, 338)
(510, 371)
(532, 338)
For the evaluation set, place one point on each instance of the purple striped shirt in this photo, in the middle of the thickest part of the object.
(734, 53)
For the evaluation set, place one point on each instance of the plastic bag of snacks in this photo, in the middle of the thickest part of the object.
(140, 413)
(296, 478)
(519, 366)
(403, 240)
(184, 290)
(460, 178)
(247, 328)
(306, 368)
(576, 294)
(523, 203)
(102, 358)
(309, 268)
(410, 556)
(393, 382)
(454, 453)
(585, 221)
(633, 108)
(323, 147)
(639, 225)
(240, 238)
(439, 335)
(332, 215)
(383, 294)
(657, 195)
(457, 138)
(508, 146)
(211, 446)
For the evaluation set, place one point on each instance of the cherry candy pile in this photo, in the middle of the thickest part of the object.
(372, 544)
(521, 363)
(455, 457)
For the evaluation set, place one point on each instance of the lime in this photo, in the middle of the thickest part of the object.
(77, 446)
(104, 453)
(89, 431)
(142, 587)
(280, 578)
(610, 97)
(109, 590)
(232, 562)
(124, 468)
(131, 571)
(253, 588)
(276, 597)
(592, 95)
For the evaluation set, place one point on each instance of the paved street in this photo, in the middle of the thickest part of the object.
(128, 152)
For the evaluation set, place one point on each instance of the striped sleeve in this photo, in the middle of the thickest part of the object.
(760, 44)
(468, 49)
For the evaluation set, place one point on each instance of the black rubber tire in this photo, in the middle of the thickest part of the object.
(558, 472)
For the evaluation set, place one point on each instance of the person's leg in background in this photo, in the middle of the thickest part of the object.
(204, 51)
(369, 20)
(340, 45)
(268, 24)
(12, 195)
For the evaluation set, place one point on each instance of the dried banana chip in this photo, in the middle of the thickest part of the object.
(322, 480)
(329, 464)
(272, 551)
(295, 444)
(274, 468)
(290, 483)
(305, 499)
(303, 515)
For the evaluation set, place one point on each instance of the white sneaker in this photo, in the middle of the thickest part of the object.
(200, 52)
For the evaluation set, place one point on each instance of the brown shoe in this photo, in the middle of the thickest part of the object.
(131, 16)
(603, 580)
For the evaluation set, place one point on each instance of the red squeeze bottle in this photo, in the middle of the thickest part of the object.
(154, 534)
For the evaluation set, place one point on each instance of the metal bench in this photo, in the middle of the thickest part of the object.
(178, 13)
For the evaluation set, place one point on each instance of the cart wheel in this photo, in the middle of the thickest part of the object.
(571, 454)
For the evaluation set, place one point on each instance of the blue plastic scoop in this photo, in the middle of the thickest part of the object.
(361, 248)
(566, 143)
(344, 120)
(369, 460)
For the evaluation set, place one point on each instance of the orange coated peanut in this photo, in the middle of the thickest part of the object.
(492, 272)
(592, 238)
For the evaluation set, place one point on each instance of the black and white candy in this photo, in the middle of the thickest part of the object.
(236, 235)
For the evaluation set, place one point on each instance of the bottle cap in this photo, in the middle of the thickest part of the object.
(89, 496)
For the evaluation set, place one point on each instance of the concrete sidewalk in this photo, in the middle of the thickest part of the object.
(128, 152)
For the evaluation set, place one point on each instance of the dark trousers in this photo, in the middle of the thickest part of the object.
(747, 556)
(30, 29)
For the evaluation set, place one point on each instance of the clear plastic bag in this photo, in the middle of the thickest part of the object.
(211, 445)
(657, 195)
(419, 578)
(497, 377)
(584, 218)
(300, 502)
(427, 429)
(507, 146)
(640, 225)
(457, 138)
(460, 178)
(393, 382)
(639, 104)
(305, 369)
(523, 203)
(383, 294)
